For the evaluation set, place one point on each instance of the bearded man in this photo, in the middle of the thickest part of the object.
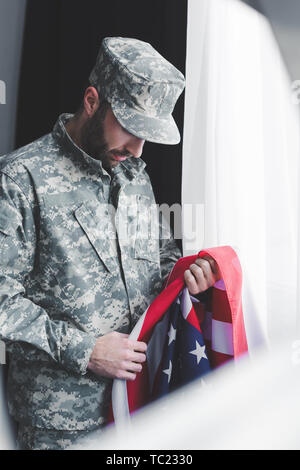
(71, 287)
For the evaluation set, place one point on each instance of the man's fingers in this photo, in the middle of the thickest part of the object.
(213, 264)
(114, 355)
(135, 357)
(131, 366)
(125, 375)
(198, 272)
(200, 275)
(202, 279)
(209, 266)
(190, 282)
(137, 346)
(205, 267)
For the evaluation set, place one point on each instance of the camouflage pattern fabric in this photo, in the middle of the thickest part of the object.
(67, 277)
(30, 438)
(141, 86)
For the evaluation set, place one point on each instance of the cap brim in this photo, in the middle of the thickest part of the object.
(151, 129)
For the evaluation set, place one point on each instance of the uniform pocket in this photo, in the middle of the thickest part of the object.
(80, 229)
(74, 248)
(97, 226)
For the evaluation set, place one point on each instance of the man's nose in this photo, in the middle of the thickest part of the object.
(135, 146)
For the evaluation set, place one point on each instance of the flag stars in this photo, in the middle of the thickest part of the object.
(171, 334)
(168, 372)
(199, 352)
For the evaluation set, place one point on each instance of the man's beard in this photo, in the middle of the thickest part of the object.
(92, 137)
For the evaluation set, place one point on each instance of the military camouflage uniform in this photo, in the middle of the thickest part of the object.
(62, 283)
(30, 438)
(67, 273)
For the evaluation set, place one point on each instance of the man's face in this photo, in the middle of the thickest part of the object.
(103, 138)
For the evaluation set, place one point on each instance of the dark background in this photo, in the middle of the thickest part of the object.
(61, 42)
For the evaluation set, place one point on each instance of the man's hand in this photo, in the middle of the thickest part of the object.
(201, 275)
(115, 356)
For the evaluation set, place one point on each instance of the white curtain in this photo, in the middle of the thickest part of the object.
(240, 188)
(240, 159)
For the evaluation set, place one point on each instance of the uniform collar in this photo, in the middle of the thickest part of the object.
(130, 167)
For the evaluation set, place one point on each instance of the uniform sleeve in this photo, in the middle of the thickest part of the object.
(169, 251)
(25, 327)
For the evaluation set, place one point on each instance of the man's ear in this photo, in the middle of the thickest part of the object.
(91, 101)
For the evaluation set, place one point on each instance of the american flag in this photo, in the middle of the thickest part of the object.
(187, 337)
(183, 356)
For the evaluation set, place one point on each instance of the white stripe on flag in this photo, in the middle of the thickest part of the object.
(222, 340)
(220, 285)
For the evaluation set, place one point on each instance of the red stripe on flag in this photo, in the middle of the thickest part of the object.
(192, 318)
(220, 306)
(231, 273)
(216, 359)
(138, 391)
(199, 311)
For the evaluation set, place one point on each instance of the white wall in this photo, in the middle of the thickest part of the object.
(12, 14)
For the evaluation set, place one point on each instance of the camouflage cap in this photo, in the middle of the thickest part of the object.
(141, 86)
